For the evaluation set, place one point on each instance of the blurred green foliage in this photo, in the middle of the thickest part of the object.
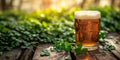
(26, 30)
(110, 18)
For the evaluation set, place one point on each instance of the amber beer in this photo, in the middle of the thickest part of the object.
(87, 27)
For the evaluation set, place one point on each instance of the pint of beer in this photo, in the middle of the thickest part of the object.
(87, 27)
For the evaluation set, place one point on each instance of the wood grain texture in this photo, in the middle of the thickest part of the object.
(53, 55)
(27, 55)
(100, 54)
(11, 55)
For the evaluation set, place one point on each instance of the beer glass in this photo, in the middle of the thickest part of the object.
(87, 27)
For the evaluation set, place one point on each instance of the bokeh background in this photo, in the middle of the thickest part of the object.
(27, 23)
(31, 5)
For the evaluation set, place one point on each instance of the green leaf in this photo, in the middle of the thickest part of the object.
(84, 50)
(44, 24)
(109, 47)
(68, 47)
(102, 35)
(79, 45)
(44, 53)
(1, 53)
(77, 51)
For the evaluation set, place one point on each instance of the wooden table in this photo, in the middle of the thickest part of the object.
(34, 54)
(99, 54)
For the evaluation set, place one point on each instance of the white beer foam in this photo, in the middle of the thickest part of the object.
(87, 15)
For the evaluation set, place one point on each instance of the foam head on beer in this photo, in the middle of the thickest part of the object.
(87, 15)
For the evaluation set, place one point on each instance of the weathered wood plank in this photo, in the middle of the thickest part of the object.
(39, 48)
(113, 52)
(27, 54)
(99, 54)
(53, 55)
(87, 56)
(112, 38)
(11, 55)
(104, 55)
(116, 53)
(96, 55)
